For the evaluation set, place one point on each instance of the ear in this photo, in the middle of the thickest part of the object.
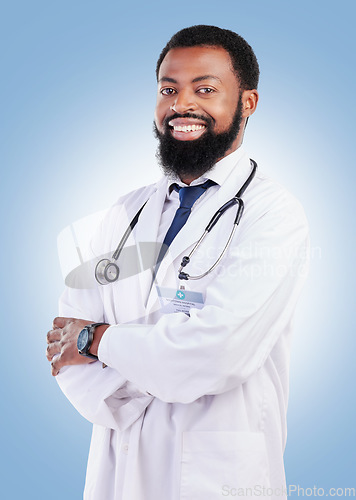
(249, 102)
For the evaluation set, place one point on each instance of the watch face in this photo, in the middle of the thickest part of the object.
(83, 339)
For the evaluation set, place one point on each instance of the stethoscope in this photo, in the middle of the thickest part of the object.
(107, 271)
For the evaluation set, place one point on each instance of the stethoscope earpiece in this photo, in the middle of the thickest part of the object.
(106, 272)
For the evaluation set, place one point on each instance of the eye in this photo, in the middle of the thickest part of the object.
(205, 90)
(167, 91)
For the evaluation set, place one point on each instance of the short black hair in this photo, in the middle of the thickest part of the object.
(243, 58)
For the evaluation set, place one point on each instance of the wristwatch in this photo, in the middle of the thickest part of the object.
(85, 340)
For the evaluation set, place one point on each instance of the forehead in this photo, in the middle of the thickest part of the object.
(185, 63)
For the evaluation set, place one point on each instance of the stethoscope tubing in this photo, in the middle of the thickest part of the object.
(186, 276)
(127, 233)
(102, 276)
(186, 259)
(235, 200)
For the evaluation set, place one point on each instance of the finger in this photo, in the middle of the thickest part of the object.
(56, 365)
(54, 335)
(54, 371)
(53, 349)
(61, 322)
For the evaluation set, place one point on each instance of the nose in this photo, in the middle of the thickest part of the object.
(184, 101)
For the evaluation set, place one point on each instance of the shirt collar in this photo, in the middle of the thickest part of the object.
(219, 173)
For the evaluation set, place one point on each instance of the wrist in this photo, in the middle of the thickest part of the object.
(98, 333)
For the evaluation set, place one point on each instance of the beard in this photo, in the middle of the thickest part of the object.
(194, 158)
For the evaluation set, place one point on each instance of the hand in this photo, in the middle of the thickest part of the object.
(62, 343)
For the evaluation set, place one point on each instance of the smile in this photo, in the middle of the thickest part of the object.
(185, 129)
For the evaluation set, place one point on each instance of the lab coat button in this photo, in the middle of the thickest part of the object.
(125, 448)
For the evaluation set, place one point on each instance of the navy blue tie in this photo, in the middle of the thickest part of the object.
(187, 197)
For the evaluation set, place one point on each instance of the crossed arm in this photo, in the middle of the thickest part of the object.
(249, 316)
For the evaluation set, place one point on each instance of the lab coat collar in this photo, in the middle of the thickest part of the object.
(148, 225)
(146, 232)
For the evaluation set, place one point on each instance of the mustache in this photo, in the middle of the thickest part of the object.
(209, 121)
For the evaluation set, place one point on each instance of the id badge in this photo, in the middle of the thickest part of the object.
(173, 300)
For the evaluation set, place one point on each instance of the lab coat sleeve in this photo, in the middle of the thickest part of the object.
(249, 304)
(102, 396)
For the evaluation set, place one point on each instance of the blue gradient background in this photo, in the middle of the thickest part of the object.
(77, 101)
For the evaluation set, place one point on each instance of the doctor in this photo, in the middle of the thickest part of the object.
(192, 401)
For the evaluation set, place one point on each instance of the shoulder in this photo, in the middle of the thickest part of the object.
(120, 215)
(270, 195)
(131, 202)
(137, 195)
(270, 205)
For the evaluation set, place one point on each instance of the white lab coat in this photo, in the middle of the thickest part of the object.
(193, 407)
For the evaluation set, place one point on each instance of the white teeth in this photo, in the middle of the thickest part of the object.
(187, 128)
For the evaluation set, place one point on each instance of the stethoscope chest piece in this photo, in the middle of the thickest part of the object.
(106, 271)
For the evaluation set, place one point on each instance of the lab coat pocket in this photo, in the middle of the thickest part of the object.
(217, 463)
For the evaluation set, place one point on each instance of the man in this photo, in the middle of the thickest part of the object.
(191, 402)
